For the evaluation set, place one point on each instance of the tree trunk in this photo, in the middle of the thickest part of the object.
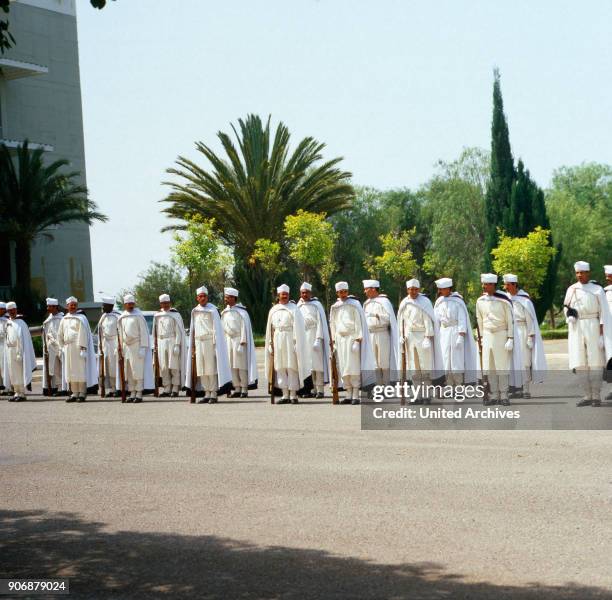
(552, 317)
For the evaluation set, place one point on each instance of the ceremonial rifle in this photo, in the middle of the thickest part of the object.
(46, 383)
(192, 396)
(271, 369)
(403, 398)
(485, 379)
(102, 359)
(333, 366)
(121, 363)
(155, 361)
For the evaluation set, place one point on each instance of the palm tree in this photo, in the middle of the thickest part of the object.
(35, 196)
(253, 188)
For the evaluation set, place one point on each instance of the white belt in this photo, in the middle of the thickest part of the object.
(415, 329)
(375, 329)
(521, 321)
(205, 337)
(284, 328)
(495, 329)
(166, 337)
(589, 316)
(449, 324)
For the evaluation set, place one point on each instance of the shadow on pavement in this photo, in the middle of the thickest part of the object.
(103, 564)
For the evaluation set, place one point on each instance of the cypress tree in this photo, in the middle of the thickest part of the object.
(502, 173)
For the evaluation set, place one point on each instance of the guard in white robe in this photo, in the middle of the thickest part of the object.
(419, 338)
(76, 342)
(608, 288)
(459, 352)
(213, 375)
(133, 335)
(170, 347)
(317, 337)
(529, 336)
(589, 337)
(501, 357)
(240, 344)
(19, 359)
(351, 344)
(106, 331)
(54, 380)
(287, 356)
(382, 328)
(3, 321)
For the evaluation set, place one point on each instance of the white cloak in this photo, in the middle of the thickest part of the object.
(424, 303)
(91, 364)
(51, 354)
(538, 358)
(605, 319)
(148, 384)
(394, 357)
(325, 332)
(468, 348)
(299, 338)
(224, 373)
(174, 314)
(250, 342)
(27, 353)
(368, 362)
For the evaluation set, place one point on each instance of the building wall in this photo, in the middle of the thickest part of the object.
(46, 108)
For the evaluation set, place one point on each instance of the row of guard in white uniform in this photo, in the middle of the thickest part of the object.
(424, 343)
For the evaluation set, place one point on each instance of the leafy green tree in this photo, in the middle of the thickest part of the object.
(396, 260)
(201, 253)
(162, 278)
(502, 171)
(252, 189)
(311, 241)
(34, 197)
(267, 257)
(454, 215)
(579, 203)
(527, 257)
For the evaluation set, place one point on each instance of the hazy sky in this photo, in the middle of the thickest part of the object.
(391, 85)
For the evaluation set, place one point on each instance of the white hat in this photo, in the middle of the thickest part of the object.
(413, 283)
(71, 299)
(581, 265)
(202, 290)
(444, 282)
(164, 298)
(108, 300)
(230, 292)
(488, 278)
(3, 305)
(11, 305)
(608, 269)
(510, 278)
(305, 287)
(282, 288)
(370, 283)
(342, 285)
(129, 298)
(52, 302)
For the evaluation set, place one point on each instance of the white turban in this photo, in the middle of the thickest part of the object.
(11, 305)
(108, 300)
(230, 292)
(202, 290)
(129, 298)
(282, 288)
(444, 282)
(52, 302)
(582, 266)
(3, 305)
(488, 278)
(306, 287)
(342, 285)
(71, 299)
(164, 298)
(371, 283)
(413, 283)
(608, 269)
(510, 278)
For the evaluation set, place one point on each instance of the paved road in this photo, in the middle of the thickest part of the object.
(249, 500)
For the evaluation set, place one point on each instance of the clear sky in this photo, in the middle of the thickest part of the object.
(391, 85)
